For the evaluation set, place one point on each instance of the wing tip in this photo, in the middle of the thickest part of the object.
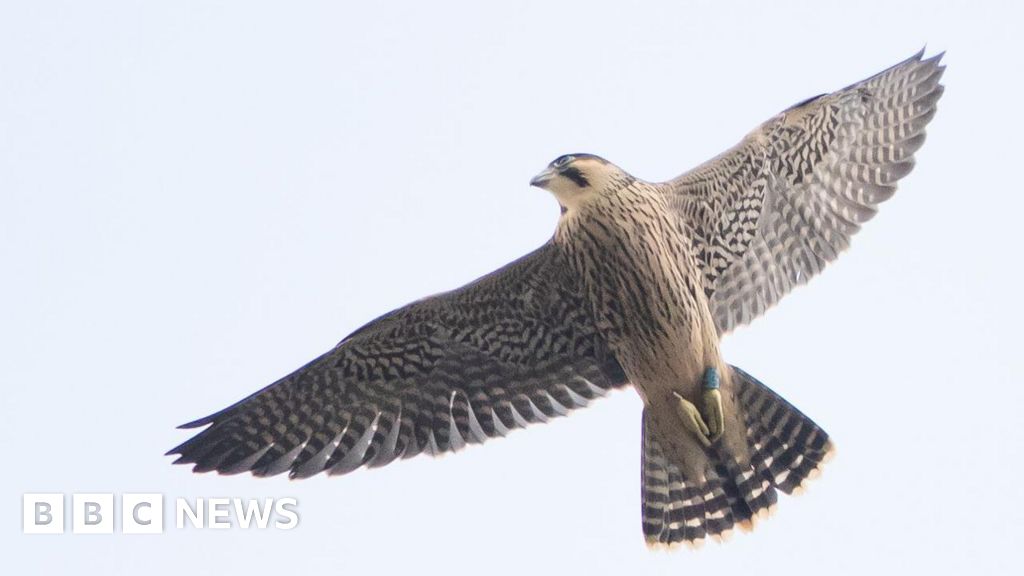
(180, 450)
(919, 56)
(933, 61)
(197, 423)
(915, 62)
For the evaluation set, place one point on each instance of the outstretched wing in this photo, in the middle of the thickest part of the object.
(771, 212)
(516, 346)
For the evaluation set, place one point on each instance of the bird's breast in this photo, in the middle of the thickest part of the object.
(642, 281)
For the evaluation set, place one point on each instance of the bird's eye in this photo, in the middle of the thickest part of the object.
(562, 161)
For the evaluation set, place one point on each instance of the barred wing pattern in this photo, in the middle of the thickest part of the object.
(512, 348)
(771, 212)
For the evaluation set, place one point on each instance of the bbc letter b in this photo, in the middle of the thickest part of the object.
(43, 514)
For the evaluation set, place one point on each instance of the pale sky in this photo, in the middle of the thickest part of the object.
(198, 197)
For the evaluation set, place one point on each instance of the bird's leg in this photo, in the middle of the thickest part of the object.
(707, 424)
(714, 416)
(692, 420)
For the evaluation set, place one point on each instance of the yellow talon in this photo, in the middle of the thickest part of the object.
(692, 420)
(713, 413)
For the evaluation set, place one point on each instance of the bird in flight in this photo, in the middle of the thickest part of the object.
(637, 286)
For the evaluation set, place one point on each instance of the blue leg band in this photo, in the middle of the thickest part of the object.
(711, 379)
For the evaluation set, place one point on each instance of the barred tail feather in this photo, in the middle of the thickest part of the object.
(785, 449)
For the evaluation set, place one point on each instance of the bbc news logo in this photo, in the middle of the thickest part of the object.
(95, 513)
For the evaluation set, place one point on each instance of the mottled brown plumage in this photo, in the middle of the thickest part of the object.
(771, 212)
(637, 286)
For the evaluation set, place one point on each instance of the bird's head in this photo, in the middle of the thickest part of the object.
(574, 178)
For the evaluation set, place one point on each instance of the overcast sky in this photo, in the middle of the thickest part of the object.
(198, 197)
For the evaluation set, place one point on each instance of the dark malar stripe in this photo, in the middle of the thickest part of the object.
(574, 174)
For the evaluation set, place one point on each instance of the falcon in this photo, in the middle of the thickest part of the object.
(637, 286)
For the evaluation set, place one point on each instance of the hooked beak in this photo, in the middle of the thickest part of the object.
(543, 178)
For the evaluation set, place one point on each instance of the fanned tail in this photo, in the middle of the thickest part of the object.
(784, 449)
